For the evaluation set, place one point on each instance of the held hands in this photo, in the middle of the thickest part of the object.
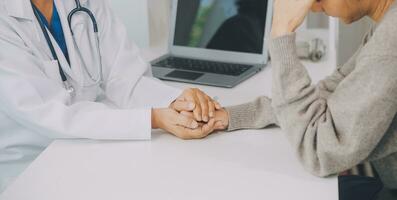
(202, 106)
(193, 115)
(289, 15)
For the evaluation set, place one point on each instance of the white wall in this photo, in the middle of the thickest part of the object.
(349, 37)
(159, 18)
(317, 20)
(147, 21)
(134, 14)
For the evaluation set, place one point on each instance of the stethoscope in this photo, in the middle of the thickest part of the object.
(95, 80)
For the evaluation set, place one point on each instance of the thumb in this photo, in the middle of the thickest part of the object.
(180, 105)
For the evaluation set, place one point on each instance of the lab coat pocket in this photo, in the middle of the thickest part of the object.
(51, 69)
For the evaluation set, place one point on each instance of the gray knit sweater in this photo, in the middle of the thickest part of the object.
(344, 120)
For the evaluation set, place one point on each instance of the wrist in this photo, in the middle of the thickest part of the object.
(154, 119)
(222, 116)
(281, 30)
(225, 118)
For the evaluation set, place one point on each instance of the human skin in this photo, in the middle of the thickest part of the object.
(289, 14)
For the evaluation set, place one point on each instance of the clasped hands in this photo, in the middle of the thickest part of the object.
(193, 115)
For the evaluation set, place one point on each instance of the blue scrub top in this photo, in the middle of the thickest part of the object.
(55, 27)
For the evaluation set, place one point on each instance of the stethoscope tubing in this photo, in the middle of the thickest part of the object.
(79, 8)
(50, 45)
(76, 10)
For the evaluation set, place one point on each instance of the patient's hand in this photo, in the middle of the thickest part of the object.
(221, 119)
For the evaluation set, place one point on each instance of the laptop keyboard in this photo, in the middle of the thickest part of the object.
(204, 66)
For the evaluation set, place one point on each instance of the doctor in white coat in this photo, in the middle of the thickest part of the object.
(37, 106)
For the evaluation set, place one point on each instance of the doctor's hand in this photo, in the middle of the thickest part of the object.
(182, 126)
(196, 101)
(289, 15)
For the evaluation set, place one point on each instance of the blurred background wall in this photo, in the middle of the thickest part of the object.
(159, 18)
(349, 37)
(134, 14)
(148, 25)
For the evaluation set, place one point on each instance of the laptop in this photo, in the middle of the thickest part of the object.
(216, 42)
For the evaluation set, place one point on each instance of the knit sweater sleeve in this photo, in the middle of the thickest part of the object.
(331, 131)
(252, 115)
(260, 113)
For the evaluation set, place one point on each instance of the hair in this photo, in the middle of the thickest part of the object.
(252, 7)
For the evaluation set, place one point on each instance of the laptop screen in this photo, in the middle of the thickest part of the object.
(229, 25)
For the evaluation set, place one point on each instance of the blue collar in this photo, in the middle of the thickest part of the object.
(55, 27)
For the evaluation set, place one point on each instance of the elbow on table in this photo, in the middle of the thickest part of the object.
(326, 162)
(321, 173)
(318, 170)
(331, 162)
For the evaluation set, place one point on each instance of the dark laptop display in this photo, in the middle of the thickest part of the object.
(230, 25)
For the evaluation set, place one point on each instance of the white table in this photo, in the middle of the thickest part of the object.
(250, 164)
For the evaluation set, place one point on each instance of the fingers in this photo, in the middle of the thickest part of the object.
(201, 132)
(211, 108)
(184, 126)
(208, 128)
(187, 114)
(180, 105)
(289, 15)
(190, 115)
(217, 105)
(185, 121)
(208, 105)
(204, 106)
(192, 97)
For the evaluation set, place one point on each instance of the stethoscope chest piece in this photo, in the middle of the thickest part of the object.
(69, 88)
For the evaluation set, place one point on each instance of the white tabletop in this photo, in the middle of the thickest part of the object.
(250, 164)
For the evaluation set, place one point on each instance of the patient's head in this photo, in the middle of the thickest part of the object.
(252, 7)
(351, 10)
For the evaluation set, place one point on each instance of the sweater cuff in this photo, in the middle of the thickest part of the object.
(254, 115)
(283, 48)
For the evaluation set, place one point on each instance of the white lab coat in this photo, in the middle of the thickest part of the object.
(35, 108)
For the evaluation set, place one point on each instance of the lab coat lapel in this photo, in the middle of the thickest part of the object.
(19, 9)
(22, 11)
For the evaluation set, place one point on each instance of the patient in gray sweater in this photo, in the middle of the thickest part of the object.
(344, 120)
